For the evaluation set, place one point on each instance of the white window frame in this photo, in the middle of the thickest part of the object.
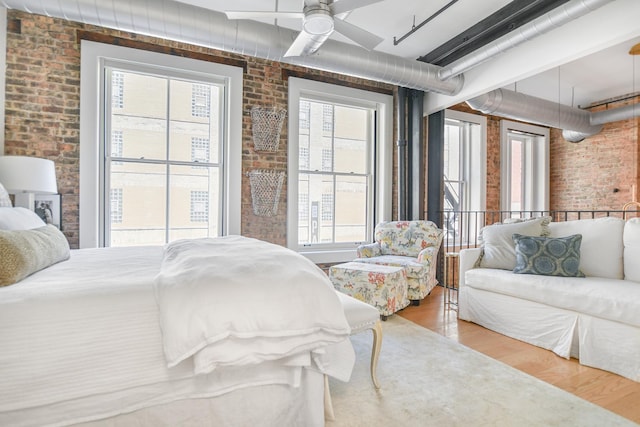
(383, 166)
(536, 179)
(91, 190)
(474, 163)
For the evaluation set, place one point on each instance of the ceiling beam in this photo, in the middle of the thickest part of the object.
(607, 26)
(496, 25)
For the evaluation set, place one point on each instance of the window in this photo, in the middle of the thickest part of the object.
(117, 90)
(464, 171)
(524, 182)
(199, 149)
(327, 207)
(200, 100)
(305, 111)
(199, 206)
(155, 143)
(304, 157)
(115, 197)
(339, 181)
(303, 207)
(327, 118)
(327, 160)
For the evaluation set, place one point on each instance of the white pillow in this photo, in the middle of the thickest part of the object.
(498, 248)
(601, 251)
(5, 201)
(19, 219)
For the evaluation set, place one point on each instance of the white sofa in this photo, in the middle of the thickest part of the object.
(595, 319)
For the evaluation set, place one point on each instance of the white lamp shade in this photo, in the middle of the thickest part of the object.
(21, 174)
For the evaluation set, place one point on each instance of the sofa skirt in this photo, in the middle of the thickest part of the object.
(599, 343)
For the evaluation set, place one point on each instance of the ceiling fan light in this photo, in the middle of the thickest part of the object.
(318, 23)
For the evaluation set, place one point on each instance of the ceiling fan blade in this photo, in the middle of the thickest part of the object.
(343, 6)
(299, 45)
(635, 50)
(363, 37)
(238, 14)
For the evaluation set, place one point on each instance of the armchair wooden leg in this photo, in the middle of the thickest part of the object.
(375, 352)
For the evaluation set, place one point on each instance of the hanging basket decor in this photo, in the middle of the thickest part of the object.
(266, 124)
(265, 191)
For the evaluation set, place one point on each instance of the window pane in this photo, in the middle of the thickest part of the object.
(351, 135)
(141, 121)
(143, 211)
(318, 227)
(187, 127)
(351, 209)
(194, 202)
(516, 174)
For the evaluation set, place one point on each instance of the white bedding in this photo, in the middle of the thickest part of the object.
(81, 341)
(267, 303)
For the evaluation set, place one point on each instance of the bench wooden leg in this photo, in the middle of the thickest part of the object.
(328, 403)
(375, 352)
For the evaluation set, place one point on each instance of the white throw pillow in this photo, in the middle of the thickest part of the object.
(5, 201)
(631, 240)
(498, 248)
(19, 219)
(601, 251)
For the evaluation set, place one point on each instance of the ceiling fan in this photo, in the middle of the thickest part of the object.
(635, 50)
(319, 20)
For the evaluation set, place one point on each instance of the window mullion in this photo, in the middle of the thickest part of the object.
(168, 166)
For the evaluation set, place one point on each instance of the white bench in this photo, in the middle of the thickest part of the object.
(361, 317)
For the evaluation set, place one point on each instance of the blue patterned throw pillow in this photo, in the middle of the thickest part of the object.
(558, 256)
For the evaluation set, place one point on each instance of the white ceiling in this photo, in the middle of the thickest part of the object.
(607, 73)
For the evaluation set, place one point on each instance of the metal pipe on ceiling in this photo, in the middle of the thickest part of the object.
(578, 124)
(172, 20)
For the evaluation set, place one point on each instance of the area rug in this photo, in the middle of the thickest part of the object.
(429, 380)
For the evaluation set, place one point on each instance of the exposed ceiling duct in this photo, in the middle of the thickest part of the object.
(577, 124)
(172, 20)
(554, 19)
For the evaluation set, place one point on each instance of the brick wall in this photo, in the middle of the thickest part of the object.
(43, 107)
(599, 172)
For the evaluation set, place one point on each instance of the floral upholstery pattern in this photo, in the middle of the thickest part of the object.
(413, 245)
(382, 286)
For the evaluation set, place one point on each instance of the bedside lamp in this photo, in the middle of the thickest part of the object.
(27, 176)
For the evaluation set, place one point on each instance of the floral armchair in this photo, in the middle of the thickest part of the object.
(413, 245)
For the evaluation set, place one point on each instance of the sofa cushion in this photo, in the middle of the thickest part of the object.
(601, 251)
(413, 268)
(611, 299)
(549, 256)
(498, 248)
(631, 240)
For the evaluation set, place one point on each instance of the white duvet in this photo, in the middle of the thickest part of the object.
(81, 340)
(234, 301)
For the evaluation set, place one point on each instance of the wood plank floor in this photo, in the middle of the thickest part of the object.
(610, 391)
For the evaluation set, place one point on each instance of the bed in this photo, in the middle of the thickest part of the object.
(111, 336)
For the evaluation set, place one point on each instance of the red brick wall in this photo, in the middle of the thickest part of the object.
(599, 172)
(43, 107)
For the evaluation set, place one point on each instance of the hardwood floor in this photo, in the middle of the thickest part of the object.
(610, 391)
